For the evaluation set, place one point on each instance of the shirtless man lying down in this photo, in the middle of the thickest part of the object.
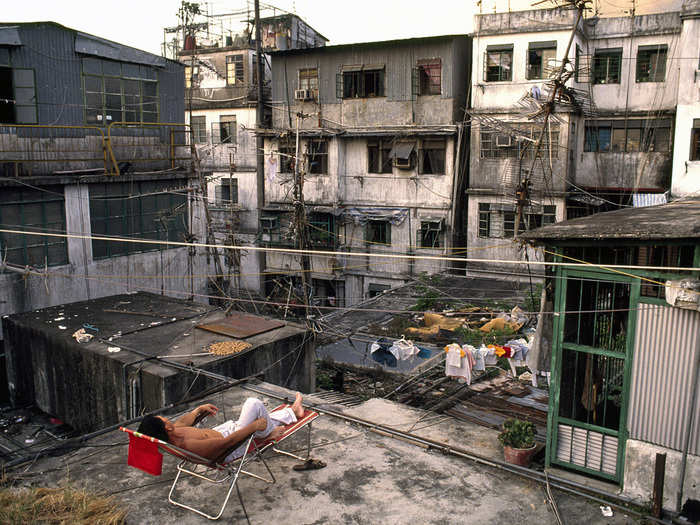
(212, 443)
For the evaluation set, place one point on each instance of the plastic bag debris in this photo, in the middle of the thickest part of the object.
(606, 511)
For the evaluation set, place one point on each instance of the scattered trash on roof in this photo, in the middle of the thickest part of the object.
(82, 336)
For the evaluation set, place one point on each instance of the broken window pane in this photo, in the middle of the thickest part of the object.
(429, 73)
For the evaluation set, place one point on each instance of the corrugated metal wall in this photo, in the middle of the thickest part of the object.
(664, 354)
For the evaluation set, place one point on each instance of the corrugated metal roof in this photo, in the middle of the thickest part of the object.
(675, 220)
(92, 45)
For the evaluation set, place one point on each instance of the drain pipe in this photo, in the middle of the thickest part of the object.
(563, 484)
(691, 420)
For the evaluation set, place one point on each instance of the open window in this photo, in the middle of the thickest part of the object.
(428, 77)
(541, 57)
(403, 154)
(379, 155)
(322, 231)
(430, 233)
(361, 83)
(318, 156)
(287, 155)
(651, 63)
(17, 96)
(432, 156)
(226, 191)
(227, 129)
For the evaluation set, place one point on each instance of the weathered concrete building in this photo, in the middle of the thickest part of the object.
(84, 157)
(609, 142)
(221, 95)
(381, 149)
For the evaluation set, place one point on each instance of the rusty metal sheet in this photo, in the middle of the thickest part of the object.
(241, 325)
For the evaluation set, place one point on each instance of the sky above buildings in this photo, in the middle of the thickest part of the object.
(140, 23)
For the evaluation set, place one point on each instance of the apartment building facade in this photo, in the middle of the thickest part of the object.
(380, 147)
(609, 142)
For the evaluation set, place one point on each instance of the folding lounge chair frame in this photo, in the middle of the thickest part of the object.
(254, 450)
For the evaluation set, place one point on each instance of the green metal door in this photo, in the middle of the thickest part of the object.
(593, 341)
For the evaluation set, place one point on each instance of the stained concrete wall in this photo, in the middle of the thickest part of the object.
(640, 458)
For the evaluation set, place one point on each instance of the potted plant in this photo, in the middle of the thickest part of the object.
(518, 440)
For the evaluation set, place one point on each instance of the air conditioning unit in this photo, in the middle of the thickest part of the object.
(503, 141)
(302, 94)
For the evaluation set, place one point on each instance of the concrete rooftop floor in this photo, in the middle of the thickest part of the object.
(369, 478)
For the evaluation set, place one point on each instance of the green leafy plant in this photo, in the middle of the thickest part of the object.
(517, 433)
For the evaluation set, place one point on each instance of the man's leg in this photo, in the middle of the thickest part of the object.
(253, 409)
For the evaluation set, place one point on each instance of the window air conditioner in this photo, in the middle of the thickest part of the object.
(503, 141)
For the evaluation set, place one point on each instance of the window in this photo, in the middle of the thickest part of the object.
(498, 220)
(429, 233)
(607, 65)
(432, 157)
(540, 56)
(271, 228)
(497, 145)
(322, 230)
(378, 232)
(484, 219)
(28, 209)
(119, 94)
(17, 96)
(198, 124)
(318, 156)
(308, 79)
(234, 70)
(226, 191)
(145, 209)
(651, 63)
(695, 140)
(618, 136)
(498, 63)
(429, 76)
(379, 155)
(191, 76)
(287, 154)
(361, 83)
(227, 129)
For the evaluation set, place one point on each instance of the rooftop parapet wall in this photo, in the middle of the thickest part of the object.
(656, 24)
(535, 20)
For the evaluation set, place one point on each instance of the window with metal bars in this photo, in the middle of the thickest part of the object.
(235, 72)
(32, 210)
(484, 220)
(607, 66)
(150, 210)
(429, 76)
(495, 144)
(287, 154)
(651, 63)
(308, 79)
(322, 231)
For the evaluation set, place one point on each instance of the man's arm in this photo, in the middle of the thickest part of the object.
(187, 420)
(212, 448)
